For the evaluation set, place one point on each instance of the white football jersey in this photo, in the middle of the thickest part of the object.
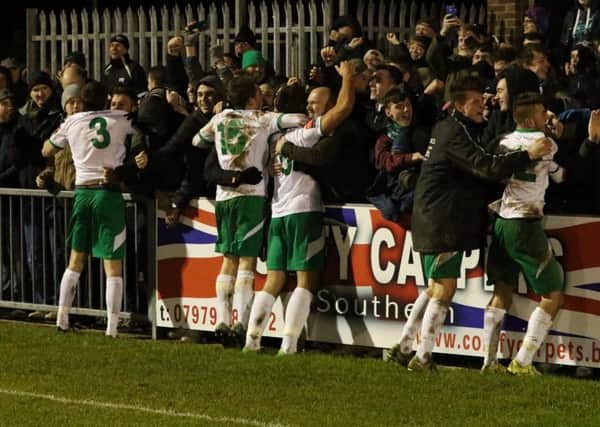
(294, 191)
(97, 141)
(241, 139)
(524, 193)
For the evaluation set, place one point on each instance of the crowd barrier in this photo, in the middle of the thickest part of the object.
(372, 278)
(34, 255)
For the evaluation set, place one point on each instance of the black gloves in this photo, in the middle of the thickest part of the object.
(250, 176)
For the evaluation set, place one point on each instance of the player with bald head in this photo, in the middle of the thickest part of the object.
(296, 240)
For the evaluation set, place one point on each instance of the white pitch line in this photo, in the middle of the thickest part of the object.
(165, 412)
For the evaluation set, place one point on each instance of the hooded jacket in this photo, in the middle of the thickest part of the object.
(518, 80)
(578, 14)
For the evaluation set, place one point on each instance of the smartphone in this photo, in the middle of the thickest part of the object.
(197, 26)
(452, 10)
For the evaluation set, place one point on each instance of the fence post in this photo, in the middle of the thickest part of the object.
(31, 30)
(343, 7)
(151, 207)
(241, 14)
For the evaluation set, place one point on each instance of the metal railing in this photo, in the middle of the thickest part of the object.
(290, 32)
(34, 254)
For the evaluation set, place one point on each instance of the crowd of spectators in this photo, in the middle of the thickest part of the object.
(373, 156)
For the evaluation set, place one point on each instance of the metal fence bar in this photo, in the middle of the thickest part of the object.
(290, 32)
(21, 248)
(34, 219)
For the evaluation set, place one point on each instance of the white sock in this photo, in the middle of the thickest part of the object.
(114, 299)
(492, 323)
(68, 287)
(224, 287)
(411, 327)
(537, 329)
(242, 297)
(297, 312)
(259, 316)
(433, 319)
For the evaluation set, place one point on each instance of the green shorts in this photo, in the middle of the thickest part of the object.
(98, 223)
(521, 245)
(445, 265)
(296, 243)
(240, 223)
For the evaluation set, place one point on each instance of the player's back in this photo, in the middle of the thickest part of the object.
(241, 140)
(295, 191)
(97, 140)
(524, 192)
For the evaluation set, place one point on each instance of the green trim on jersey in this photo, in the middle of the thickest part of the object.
(97, 224)
(240, 225)
(54, 145)
(445, 265)
(204, 140)
(279, 120)
(296, 243)
(521, 245)
(527, 130)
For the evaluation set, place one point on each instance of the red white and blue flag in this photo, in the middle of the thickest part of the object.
(372, 278)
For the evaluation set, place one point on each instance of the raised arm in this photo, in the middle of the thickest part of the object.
(345, 100)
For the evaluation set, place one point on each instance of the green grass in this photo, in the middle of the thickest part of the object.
(310, 389)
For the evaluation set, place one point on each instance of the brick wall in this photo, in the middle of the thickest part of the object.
(505, 17)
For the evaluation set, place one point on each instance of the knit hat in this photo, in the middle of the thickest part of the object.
(10, 63)
(5, 93)
(70, 91)
(121, 38)
(76, 57)
(252, 58)
(40, 78)
(519, 80)
(214, 82)
(538, 15)
(246, 35)
(422, 40)
(430, 22)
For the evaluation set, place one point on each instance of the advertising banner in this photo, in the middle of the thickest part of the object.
(373, 276)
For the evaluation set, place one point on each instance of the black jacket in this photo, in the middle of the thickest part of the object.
(450, 206)
(341, 162)
(10, 160)
(592, 28)
(36, 126)
(178, 148)
(499, 123)
(125, 72)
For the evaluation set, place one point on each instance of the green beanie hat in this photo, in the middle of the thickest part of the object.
(252, 58)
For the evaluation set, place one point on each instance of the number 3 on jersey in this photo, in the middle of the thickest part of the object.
(99, 125)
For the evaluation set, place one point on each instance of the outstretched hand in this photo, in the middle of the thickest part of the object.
(594, 127)
(328, 55)
(393, 39)
(540, 148)
(345, 69)
(250, 176)
(141, 160)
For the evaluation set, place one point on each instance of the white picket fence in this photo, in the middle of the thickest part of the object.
(290, 32)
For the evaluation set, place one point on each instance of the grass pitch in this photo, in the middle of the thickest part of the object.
(53, 379)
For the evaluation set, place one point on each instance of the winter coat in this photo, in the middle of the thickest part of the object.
(450, 206)
(9, 155)
(592, 25)
(125, 72)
